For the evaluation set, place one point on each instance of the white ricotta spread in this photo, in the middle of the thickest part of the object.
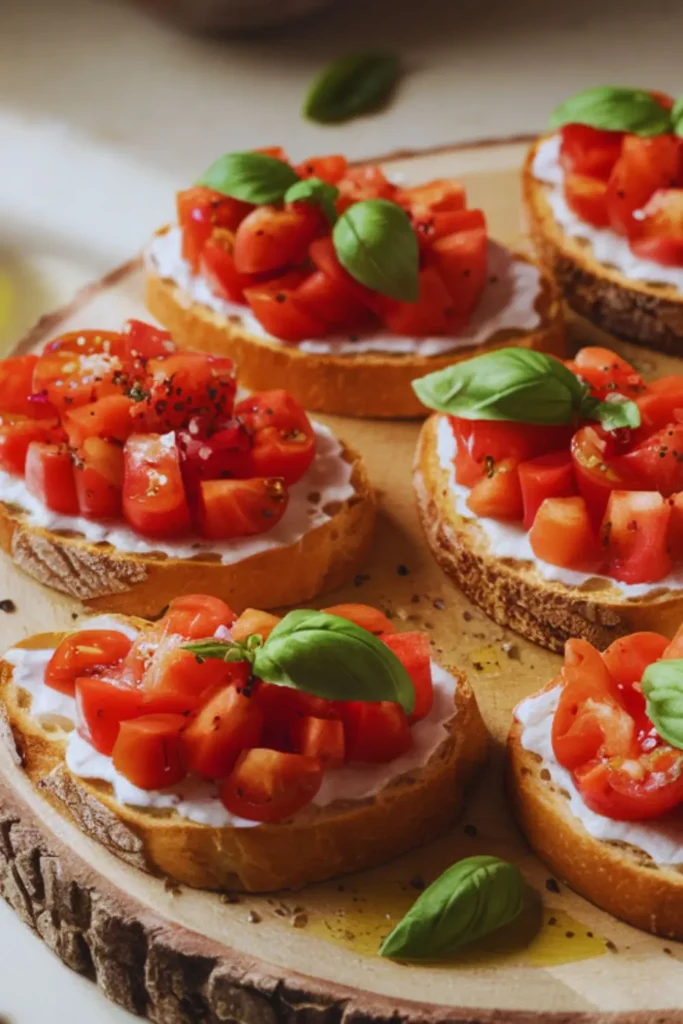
(195, 798)
(511, 540)
(609, 248)
(507, 303)
(663, 840)
(326, 484)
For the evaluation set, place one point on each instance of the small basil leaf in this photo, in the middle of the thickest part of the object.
(350, 86)
(472, 898)
(662, 685)
(252, 177)
(225, 650)
(332, 658)
(677, 116)
(617, 412)
(614, 109)
(376, 244)
(509, 384)
(314, 190)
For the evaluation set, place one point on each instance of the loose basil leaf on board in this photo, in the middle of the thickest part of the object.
(314, 190)
(376, 244)
(508, 384)
(351, 86)
(252, 177)
(662, 685)
(677, 116)
(332, 658)
(472, 898)
(614, 109)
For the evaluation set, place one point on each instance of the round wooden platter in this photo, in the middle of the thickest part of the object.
(178, 955)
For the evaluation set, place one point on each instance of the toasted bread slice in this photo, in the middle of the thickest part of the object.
(317, 844)
(647, 313)
(131, 583)
(372, 385)
(619, 878)
(514, 593)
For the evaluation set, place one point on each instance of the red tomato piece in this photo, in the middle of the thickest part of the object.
(85, 653)
(98, 475)
(482, 443)
(587, 198)
(82, 366)
(662, 403)
(498, 494)
(49, 475)
(328, 168)
(633, 790)
(432, 226)
(655, 463)
(322, 738)
(227, 724)
(634, 536)
(592, 449)
(434, 312)
(660, 228)
(110, 417)
(666, 250)
(283, 441)
(606, 372)
(546, 476)
(253, 621)
(240, 508)
(360, 183)
(186, 385)
(375, 731)
(17, 433)
(644, 166)
(217, 265)
(102, 704)
(562, 533)
(200, 212)
(363, 615)
(149, 751)
(154, 501)
(412, 650)
(283, 706)
(269, 239)
(675, 539)
(442, 195)
(277, 308)
(675, 648)
(588, 151)
(17, 391)
(269, 785)
(197, 616)
(331, 302)
(146, 341)
(207, 454)
(462, 262)
(175, 680)
(324, 257)
(628, 657)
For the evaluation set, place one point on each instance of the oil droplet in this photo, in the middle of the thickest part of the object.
(486, 659)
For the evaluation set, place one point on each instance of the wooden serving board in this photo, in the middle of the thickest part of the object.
(179, 955)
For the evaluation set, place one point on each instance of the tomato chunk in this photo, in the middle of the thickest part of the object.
(85, 653)
(277, 307)
(98, 475)
(662, 403)
(587, 198)
(200, 212)
(270, 785)
(197, 616)
(102, 705)
(376, 731)
(660, 228)
(479, 443)
(49, 475)
(634, 536)
(154, 501)
(498, 494)
(174, 679)
(240, 508)
(147, 341)
(110, 418)
(16, 388)
(217, 265)
(462, 262)
(322, 738)
(645, 165)
(547, 476)
(655, 463)
(628, 657)
(365, 616)
(412, 650)
(252, 621)
(227, 724)
(433, 313)
(675, 536)
(590, 152)
(149, 751)
(438, 196)
(330, 168)
(633, 790)
(269, 239)
(16, 434)
(562, 534)
(283, 441)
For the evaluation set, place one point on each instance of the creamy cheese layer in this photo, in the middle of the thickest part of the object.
(312, 501)
(508, 302)
(195, 798)
(609, 248)
(662, 840)
(511, 540)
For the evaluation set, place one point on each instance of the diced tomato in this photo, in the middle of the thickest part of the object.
(588, 151)
(269, 785)
(634, 534)
(149, 751)
(675, 648)
(200, 212)
(376, 731)
(208, 454)
(277, 152)
(227, 724)
(154, 501)
(587, 198)
(675, 538)
(360, 183)
(17, 391)
(110, 418)
(98, 475)
(185, 385)
(633, 790)
(113, 344)
(662, 403)
(16, 434)
(277, 308)
(434, 312)
(498, 493)
(253, 621)
(562, 534)
(85, 653)
(322, 738)
(324, 257)
(481, 443)
(592, 449)
(175, 679)
(240, 508)
(283, 441)
(269, 239)
(660, 228)
(655, 463)
(546, 476)
(606, 372)
(412, 650)
(147, 341)
(432, 226)
(462, 262)
(328, 168)
(363, 615)
(49, 476)
(282, 708)
(666, 250)
(645, 165)
(103, 703)
(70, 374)
(628, 657)
(197, 616)
(442, 195)
(217, 265)
(331, 302)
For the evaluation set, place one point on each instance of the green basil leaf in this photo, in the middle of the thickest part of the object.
(662, 685)
(252, 177)
(351, 86)
(508, 384)
(614, 109)
(376, 244)
(677, 117)
(472, 898)
(314, 190)
(332, 658)
(617, 412)
(225, 650)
